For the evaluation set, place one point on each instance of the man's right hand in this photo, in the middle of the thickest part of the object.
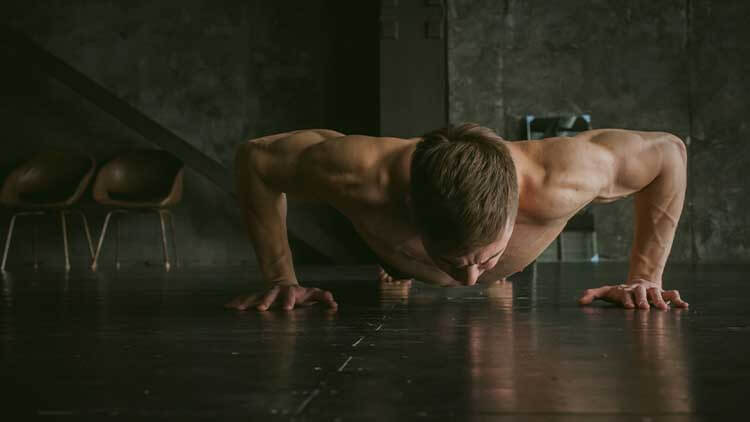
(285, 295)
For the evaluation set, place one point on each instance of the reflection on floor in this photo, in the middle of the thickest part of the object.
(144, 344)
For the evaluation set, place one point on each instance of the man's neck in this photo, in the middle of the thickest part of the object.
(522, 163)
(399, 170)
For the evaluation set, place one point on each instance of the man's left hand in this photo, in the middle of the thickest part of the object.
(636, 293)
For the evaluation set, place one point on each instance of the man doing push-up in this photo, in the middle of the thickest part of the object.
(461, 205)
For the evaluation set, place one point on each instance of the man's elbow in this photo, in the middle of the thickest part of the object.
(674, 148)
(248, 160)
(674, 161)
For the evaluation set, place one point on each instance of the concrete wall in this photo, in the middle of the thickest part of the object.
(412, 68)
(674, 65)
(215, 73)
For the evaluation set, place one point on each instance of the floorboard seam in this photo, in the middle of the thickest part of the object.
(301, 408)
(303, 405)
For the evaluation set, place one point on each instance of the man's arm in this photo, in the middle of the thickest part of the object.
(267, 169)
(652, 167)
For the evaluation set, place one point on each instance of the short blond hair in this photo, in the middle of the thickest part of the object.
(463, 186)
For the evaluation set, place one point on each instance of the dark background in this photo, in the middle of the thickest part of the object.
(217, 73)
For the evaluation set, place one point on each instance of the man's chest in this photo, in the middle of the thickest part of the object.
(397, 244)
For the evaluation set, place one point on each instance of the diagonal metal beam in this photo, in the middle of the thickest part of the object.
(84, 86)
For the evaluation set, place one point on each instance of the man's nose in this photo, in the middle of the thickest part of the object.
(471, 275)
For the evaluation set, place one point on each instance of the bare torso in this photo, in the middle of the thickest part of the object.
(375, 202)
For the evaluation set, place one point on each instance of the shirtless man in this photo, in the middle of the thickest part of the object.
(461, 205)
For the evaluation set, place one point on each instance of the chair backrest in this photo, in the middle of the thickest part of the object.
(552, 126)
(50, 177)
(145, 175)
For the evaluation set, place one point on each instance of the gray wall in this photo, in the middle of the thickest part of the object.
(215, 73)
(675, 65)
(412, 67)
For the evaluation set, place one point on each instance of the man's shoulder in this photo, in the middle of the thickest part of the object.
(565, 175)
(567, 159)
(352, 152)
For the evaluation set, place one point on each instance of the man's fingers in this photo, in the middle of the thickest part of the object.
(641, 298)
(268, 299)
(673, 296)
(248, 302)
(382, 275)
(234, 303)
(590, 295)
(323, 296)
(626, 299)
(654, 296)
(640, 295)
(242, 302)
(289, 299)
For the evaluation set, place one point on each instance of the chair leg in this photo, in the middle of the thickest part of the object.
(87, 231)
(164, 248)
(64, 223)
(7, 240)
(34, 240)
(101, 240)
(174, 238)
(117, 243)
(595, 246)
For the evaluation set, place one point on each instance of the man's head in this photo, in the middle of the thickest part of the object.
(464, 198)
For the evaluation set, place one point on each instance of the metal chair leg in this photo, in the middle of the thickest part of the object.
(87, 231)
(7, 240)
(101, 240)
(65, 239)
(117, 243)
(174, 238)
(33, 246)
(595, 246)
(167, 264)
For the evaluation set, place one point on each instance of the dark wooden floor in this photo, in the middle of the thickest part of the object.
(145, 345)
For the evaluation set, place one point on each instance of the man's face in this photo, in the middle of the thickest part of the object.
(467, 267)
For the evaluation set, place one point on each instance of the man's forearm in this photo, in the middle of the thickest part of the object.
(657, 211)
(264, 210)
